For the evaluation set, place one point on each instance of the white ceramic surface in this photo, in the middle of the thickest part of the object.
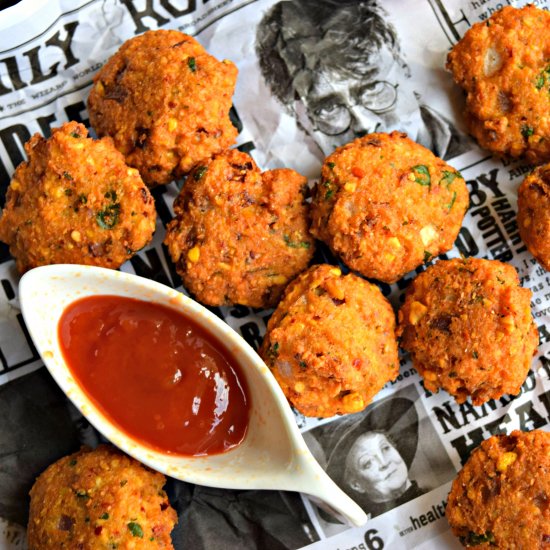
(273, 454)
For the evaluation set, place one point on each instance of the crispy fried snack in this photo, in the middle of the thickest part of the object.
(165, 101)
(75, 201)
(385, 205)
(239, 235)
(503, 64)
(500, 498)
(331, 342)
(468, 327)
(99, 499)
(534, 214)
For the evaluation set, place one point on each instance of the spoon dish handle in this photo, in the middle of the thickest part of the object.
(313, 481)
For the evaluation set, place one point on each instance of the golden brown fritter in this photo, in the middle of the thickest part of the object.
(331, 342)
(500, 499)
(75, 201)
(99, 499)
(534, 214)
(165, 101)
(503, 64)
(385, 205)
(468, 327)
(240, 235)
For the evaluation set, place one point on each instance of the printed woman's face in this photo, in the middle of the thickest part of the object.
(376, 467)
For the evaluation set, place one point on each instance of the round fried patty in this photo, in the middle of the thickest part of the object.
(534, 214)
(503, 65)
(468, 327)
(385, 205)
(99, 499)
(240, 235)
(331, 342)
(500, 497)
(165, 101)
(75, 201)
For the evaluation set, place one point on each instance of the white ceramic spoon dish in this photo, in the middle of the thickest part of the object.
(273, 454)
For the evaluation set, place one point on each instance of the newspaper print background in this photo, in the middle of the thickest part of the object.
(49, 52)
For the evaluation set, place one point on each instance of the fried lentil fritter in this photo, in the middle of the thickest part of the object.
(331, 342)
(165, 101)
(385, 205)
(240, 235)
(75, 201)
(500, 498)
(468, 327)
(534, 214)
(99, 499)
(503, 65)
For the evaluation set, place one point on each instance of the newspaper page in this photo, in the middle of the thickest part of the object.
(49, 53)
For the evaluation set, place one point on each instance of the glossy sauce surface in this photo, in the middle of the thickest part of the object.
(157, 374)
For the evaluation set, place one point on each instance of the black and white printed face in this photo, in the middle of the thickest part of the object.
(339, 107)
(377, 468)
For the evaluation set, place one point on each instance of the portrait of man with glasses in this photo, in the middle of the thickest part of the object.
(337, 66)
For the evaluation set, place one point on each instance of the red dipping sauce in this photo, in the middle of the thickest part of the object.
(156, 374)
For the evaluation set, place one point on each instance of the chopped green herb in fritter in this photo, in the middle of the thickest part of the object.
(473, 539)
(135, 529)
(199, 173)
(421, 174)
(108, 217)
(527, 131)
(295, 244)
(449, 177)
